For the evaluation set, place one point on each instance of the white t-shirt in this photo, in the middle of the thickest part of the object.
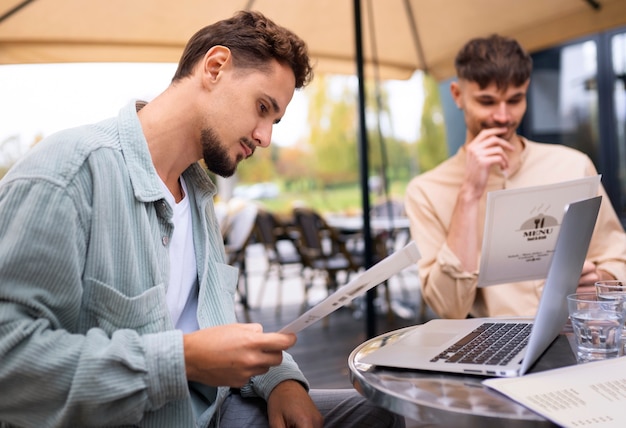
(182, 292)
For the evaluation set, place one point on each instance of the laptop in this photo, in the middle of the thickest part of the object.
(436, 345)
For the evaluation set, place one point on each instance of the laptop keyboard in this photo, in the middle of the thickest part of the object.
(491, 343)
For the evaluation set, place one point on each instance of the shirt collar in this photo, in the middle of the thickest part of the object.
(143, 175)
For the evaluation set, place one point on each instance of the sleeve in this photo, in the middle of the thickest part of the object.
(52, 373)
(262, 386)
(607, 248)
(448, 290)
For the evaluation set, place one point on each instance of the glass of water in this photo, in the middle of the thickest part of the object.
(613, 290)
(597, 326)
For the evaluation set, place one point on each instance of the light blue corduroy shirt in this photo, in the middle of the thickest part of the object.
(85, 333)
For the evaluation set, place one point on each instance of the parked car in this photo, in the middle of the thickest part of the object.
(266, 190)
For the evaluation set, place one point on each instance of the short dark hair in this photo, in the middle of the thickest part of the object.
(494, 59)
(254, 40)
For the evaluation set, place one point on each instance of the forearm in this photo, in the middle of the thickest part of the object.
(91, 378)
(463, 232)
(449, 290)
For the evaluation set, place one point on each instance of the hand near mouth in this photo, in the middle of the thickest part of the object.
(484, 151)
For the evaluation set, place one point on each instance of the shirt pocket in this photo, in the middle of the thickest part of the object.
(111, 310)
(229, 278)
(217, 295)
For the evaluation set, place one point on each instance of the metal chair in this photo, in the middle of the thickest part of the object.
(321, 248)
(280, 251)
(238, 233)
(392, 240)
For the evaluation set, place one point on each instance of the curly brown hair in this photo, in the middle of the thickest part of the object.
(253, 40)
(495, 59)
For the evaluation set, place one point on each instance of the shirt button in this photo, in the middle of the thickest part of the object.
(165, 240)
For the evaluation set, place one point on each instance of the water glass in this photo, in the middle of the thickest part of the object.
(597, 326)
(612, 290)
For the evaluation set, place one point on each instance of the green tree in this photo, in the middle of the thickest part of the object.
(333, 135)
(431, 147)
(260, 167)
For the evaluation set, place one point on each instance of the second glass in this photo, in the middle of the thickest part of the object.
(613, 290)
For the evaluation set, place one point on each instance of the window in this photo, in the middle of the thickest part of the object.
(577, 97)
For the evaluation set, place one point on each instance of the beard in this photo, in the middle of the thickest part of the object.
(216, 156)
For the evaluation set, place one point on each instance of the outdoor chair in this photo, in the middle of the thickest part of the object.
(281, 253)
(321, 248)
(390, 241)
(237, 235)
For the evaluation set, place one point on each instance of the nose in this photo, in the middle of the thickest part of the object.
(501, 114)
(263, 134)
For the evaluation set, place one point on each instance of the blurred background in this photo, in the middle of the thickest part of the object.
(68, 62)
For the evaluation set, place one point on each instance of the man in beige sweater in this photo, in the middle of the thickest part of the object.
(447, 204)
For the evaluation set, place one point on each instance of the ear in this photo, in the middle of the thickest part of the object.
(215, 62)
(455, 91)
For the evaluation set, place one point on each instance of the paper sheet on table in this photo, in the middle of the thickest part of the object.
(521, 227)
(375, 275)
(584, 395)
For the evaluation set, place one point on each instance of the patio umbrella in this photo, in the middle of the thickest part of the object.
(382, 38)
(406, 34)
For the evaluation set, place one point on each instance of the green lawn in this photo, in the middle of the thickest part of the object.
(345, 199)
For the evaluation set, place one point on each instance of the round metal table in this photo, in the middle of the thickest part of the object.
(446, 400)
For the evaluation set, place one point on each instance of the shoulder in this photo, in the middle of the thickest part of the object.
(60, 156)
(448, 173)
(554, 151)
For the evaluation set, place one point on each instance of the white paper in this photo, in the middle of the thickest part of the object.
(521, 227)
(375, 275)
(584, 395)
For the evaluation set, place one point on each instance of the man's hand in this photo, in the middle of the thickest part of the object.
(589, 276)
(230, 355)
(290, 406)
(484, 151)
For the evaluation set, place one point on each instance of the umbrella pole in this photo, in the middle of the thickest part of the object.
(370, 310)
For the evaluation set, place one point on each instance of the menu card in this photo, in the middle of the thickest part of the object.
(521, 227)
(583, 395)
(375, 275)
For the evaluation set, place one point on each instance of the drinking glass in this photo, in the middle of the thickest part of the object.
(597, 326)
(613, 290)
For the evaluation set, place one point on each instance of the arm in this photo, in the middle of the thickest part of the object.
(48, 355)
(447, 288)
(450, 246)
(482, 154)
(606, 258)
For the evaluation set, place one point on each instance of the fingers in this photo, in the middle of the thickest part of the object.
(252, 327)
(586, 289)
(278, 341)
(588, 276)
(490, 148)
(588, 267)
(230, 354)
(490, 141)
